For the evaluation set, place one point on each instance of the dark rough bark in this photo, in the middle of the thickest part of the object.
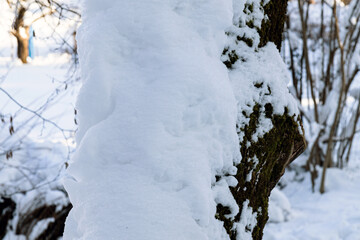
(271, 30)
(54, 230)
(274, 151)
(26, 221)
(267, 158)
(7, 208)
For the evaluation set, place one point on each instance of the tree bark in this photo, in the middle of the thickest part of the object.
(21, 33)
(263, 161)
(23, 46)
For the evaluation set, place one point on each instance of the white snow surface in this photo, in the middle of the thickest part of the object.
(279, 207)
(157, 120)
(334, 215)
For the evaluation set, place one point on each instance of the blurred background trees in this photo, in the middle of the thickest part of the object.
(28, 12)
(322, 51)
(36, 115)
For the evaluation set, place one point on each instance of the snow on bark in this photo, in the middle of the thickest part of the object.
(269, 132)
(158, 155)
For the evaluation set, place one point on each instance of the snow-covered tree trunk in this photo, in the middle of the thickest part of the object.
(322, 48)
(269, 129)
(157, 121)
(161, 114)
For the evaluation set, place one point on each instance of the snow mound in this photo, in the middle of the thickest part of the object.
(279, 207)
(157, 120)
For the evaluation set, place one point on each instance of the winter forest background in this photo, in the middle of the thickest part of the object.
(204, 119)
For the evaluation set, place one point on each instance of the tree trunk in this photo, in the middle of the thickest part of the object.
(263, 160)
(7, 209)
(21, 32)
(23, 45)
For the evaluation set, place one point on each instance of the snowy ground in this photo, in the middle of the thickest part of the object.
(334, 215)
(33, 84)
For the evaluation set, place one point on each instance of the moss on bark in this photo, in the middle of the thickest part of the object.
(272, 29)
(263, 161)
(271, 153)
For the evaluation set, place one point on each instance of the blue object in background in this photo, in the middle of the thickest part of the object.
(31, 42)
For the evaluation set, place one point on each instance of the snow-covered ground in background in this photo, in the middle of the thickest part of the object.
(335, 215)
(34, 84)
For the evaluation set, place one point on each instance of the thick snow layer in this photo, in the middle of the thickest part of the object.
(157, 120)
(266, 67)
